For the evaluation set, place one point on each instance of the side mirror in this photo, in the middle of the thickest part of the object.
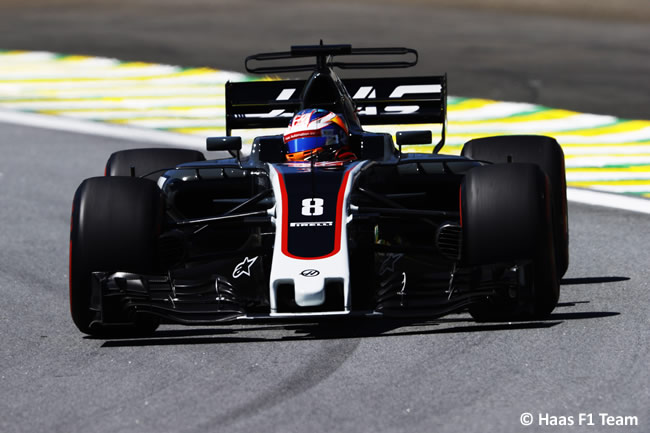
(223, 143)
(414, 137)
(372, 146)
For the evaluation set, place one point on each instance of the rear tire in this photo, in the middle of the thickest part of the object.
(150, 162)
(506, 219)
(114, 227)
(548, 155)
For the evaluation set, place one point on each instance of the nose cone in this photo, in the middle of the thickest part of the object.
(309, 288)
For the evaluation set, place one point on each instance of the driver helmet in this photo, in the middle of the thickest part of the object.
(315, 133)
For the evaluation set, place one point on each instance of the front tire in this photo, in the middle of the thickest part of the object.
(506, 215)
(114, 227)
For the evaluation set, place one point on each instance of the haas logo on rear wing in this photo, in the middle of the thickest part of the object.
(365, 94)
(379, 101)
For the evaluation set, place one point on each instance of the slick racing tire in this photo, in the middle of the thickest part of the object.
(149, 163)
(114, 227)
(548, 155)
(506, 221)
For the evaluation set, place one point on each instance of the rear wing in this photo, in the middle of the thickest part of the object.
(379, 101)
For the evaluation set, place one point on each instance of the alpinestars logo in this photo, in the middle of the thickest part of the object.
(388, 265)
(244, 268)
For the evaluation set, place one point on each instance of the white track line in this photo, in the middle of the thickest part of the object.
(196, 142)
(616, 201)
(103, 129)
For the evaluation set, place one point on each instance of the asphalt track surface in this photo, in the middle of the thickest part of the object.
(447, 375)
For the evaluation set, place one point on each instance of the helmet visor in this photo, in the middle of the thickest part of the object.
(306, 143)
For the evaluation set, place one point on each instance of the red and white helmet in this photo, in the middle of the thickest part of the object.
(315, 132)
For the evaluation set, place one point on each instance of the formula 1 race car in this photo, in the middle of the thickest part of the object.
(292, 231)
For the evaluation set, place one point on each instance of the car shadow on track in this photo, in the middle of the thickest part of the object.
(313, 331)
(342, 329)
(591, 280)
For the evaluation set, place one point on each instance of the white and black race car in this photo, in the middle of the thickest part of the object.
(166, 235)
